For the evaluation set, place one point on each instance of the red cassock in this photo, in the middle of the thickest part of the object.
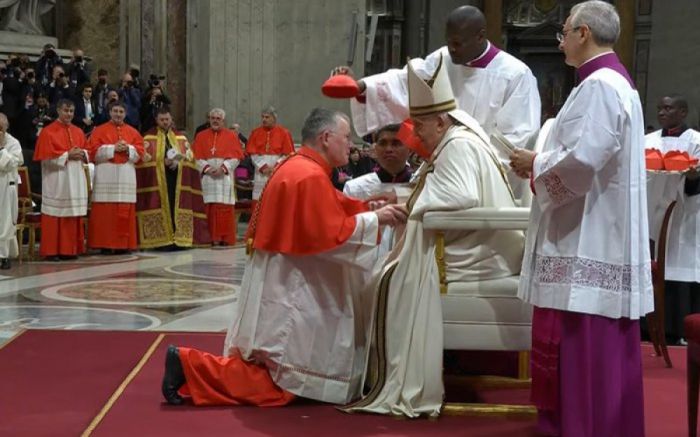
(60, 235)
(300, 213)
(222, 144)
(112, 225)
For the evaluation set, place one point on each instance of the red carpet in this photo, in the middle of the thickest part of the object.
(56, 382)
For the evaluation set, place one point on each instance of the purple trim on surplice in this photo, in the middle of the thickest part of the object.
(486, 58)
(608, 60)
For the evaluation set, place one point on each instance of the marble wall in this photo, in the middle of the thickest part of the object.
(673, 62)
(92, 25)
(246, 54)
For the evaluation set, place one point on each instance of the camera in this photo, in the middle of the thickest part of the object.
(30, 75)
(154, 80)
(61, 74)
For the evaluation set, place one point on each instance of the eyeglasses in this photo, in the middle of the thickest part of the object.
(561, 35)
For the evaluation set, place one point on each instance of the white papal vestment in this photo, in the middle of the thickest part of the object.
(407, 324)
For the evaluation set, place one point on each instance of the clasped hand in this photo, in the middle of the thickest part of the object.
(76, 154)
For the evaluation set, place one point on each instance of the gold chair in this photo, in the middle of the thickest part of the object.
(27, 219)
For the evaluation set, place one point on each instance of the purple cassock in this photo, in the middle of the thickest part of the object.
(587, 369)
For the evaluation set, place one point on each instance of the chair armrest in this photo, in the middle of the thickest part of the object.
(478, 218)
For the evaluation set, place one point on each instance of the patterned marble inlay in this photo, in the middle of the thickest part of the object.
(142, 292)
(94, 259)
(209, 270)
(16, 317)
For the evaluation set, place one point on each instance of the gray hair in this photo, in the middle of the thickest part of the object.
(601, 17)
(4, 122)
(218, 111)
(319, 120)
(270, 110)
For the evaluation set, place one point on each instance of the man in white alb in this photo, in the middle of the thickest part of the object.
(586, 267)
(495, 88)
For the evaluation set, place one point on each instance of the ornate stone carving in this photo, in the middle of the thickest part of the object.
(24, 16)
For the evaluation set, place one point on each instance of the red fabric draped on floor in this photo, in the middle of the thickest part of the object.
(112, 226)
(221, 223)
(216, 380)
(62, 236)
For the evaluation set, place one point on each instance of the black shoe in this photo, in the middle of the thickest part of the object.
(174, 377)
(54, 258)
(105, 251)
(68, 257)
(5, 264)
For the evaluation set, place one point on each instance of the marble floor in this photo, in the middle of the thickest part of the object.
(187, 290)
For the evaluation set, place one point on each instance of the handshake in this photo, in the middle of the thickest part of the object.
(388, 212)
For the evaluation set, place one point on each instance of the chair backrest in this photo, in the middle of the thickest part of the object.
(24, 190)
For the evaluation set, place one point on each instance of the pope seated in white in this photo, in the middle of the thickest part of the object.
(462, 172)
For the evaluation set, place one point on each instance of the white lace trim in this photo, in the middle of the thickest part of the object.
(584, 272)
(558, 192)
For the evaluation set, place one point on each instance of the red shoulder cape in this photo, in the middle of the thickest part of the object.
(226, 141)
(56, 139)
(280, 141)
(109, 133)
(300, 212)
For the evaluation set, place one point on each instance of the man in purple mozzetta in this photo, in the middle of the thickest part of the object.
(586, 267)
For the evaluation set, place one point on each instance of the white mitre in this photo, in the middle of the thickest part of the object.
(434, 96)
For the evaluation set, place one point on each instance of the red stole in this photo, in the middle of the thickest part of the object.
(223, 143)
(274, 141)
(110, 133)
(56, 139)
(300, 212)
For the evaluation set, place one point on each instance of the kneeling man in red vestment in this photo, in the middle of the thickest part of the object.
(301, 322)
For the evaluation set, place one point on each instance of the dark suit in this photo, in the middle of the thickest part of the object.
(79, 115)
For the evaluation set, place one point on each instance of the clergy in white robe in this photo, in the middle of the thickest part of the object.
(10, 159)
(61, 148)
(405, 370)
(586, 267)
(218, 152)
(300, 326)
(391, 178)
(682, 274)
(498, 90)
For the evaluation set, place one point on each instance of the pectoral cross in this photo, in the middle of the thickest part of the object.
(213, 146)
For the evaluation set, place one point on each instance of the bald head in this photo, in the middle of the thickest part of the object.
(466, 34)
(467, 16)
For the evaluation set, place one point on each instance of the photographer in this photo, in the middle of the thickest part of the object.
(10, 88)
(131, 96)
(59, 88)
(154, 99)
(100, 92)
(46, 63)
(78, 70)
